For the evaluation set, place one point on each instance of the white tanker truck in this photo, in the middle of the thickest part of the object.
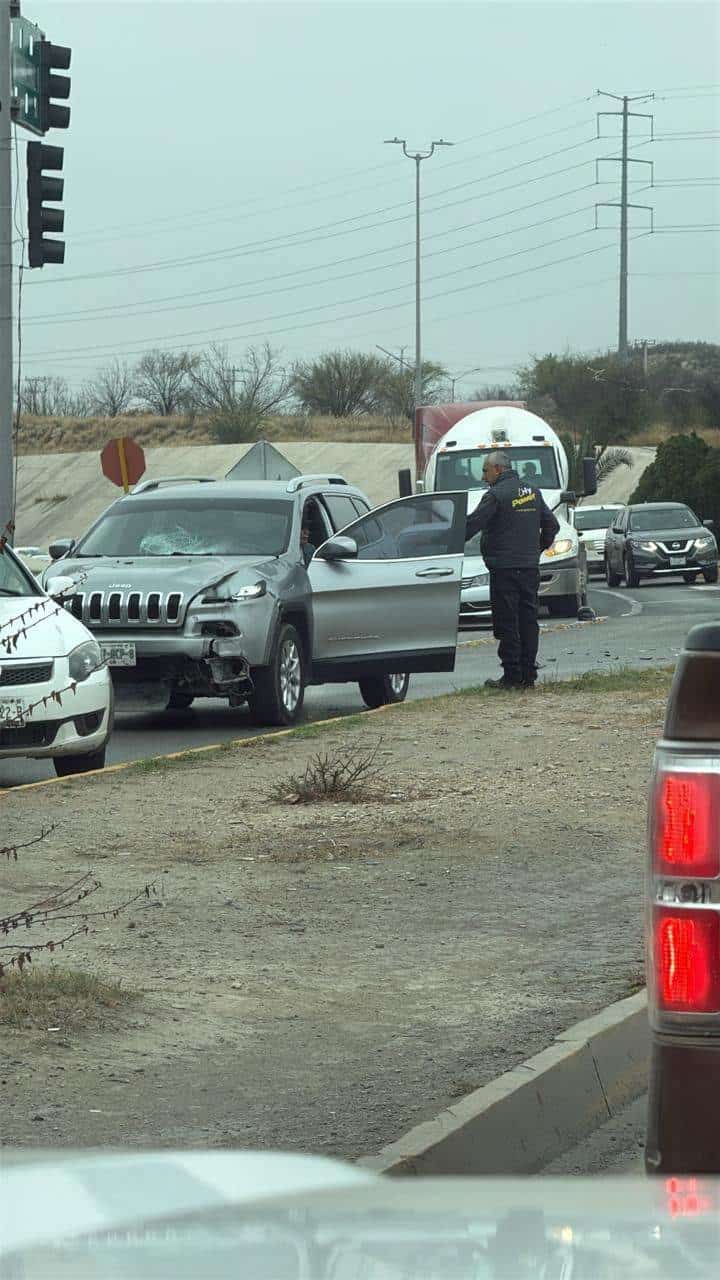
(456, 462)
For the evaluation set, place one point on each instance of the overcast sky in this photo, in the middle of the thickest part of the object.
(226, 179)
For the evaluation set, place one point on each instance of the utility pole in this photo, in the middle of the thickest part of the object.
(7, 472)
(623, 204)
(400, 359)
(418, 157)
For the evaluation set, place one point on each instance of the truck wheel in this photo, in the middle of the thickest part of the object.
(564, 606)
(611, 577)
(380, 691)
(179, 701)
(632, 577)
(711, 575)
(65, 766)
(279, 689)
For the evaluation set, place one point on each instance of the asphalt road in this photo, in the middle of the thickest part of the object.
(635, 628)
(614, 1150)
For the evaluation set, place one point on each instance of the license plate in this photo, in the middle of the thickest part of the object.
(120, 654)
(677, 562)
(12, 711)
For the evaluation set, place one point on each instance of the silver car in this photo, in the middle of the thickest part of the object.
(252, 591)
(592, 522)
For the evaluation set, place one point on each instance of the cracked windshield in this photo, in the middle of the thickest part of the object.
(359, 639)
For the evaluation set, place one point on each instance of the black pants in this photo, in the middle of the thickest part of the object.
(514, 603)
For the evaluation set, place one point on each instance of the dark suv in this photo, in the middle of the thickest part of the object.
(653, 539)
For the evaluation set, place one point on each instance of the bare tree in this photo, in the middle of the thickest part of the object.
(162, 380)
(47, 397)
(112, 389)
(396, 388)
(238, 397)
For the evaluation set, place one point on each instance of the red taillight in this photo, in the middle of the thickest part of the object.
(687, 824)
(687, 960)
(688, 1197)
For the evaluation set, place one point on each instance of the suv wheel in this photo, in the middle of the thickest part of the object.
(711, 575)
(279, 689)
(380, 691)
(632, 578)
(65, 766)
(611, 577)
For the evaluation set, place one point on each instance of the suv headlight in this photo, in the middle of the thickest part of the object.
(221, 594)
(644, 546)
(702, 543)
(561, 547)
(84, 660)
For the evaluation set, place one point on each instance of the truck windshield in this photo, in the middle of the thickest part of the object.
(186, 526)
(462, 468)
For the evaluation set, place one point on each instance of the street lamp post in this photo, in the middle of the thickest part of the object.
(418, 157)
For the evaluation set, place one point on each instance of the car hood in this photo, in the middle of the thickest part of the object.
(669, 535)
(184, 574)
(37, 627)
(265, 1214)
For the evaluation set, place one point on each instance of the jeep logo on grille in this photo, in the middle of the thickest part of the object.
(119, 586)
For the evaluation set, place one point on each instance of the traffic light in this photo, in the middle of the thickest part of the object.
(52, 56)
(41, 188)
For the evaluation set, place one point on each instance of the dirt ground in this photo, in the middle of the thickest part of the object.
(322, 977)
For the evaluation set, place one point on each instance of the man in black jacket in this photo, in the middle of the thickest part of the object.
(516, 525)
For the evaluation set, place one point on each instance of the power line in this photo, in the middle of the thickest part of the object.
(81, 353)
(290, 239)
(110, 313)
(52, 316)
(234, 217)
(307, 186)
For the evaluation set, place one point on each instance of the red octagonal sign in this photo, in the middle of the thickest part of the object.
(123, 461)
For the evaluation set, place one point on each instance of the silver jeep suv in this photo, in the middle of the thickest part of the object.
(251, 591)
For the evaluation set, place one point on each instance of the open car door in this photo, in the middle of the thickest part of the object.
(386, 590)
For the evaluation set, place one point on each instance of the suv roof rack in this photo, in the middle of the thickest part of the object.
(145, 485)
(299, 482)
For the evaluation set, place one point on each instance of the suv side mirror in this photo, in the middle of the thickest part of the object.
(709, 524)
(60, 548)
(569, 496)
(338, 548)
(590, 484)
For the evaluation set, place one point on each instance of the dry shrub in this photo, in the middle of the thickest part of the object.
(53, 997)
(343, 775)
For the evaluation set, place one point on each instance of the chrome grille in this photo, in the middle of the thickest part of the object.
(25, 673)
(127, 608)
(676, 547)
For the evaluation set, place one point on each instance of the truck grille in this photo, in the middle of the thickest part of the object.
(25, 673)
(127, 608)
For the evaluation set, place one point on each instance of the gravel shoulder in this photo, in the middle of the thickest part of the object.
(322, 977)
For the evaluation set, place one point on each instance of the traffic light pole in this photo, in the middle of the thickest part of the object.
(7, 473)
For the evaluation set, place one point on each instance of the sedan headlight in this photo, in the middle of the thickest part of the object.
(480, 580)
(221, 594)
(84, 660)
(561, 547)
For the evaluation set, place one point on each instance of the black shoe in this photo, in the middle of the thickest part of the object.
(503, 683)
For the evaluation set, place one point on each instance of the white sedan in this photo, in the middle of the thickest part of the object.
(475, 590)
(592, 522)
(55, 691)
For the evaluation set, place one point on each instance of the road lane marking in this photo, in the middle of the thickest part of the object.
(635, 605)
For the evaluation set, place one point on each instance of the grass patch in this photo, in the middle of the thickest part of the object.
(317, 730)
(158, 764)
(37, 999)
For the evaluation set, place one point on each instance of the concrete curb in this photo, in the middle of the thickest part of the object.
(527, 1117)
